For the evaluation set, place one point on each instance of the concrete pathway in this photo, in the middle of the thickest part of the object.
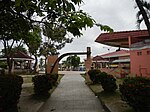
(72, 95)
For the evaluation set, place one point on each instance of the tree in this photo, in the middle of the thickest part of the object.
(72, 61)
(45, 50)
(75, 61)
(41, 65)
(18, 17)
(12, 29)
(15, 49)
(33, 41)
(144, 12)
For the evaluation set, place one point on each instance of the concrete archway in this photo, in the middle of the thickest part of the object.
(52, 64)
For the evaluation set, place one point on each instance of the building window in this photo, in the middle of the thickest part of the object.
(148, 52)
(139, 53)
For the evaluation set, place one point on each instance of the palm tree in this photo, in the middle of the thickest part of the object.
(144, 10)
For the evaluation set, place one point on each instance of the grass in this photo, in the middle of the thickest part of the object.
(27, 80)
(30, 90)
(112, 101)
(29, 100)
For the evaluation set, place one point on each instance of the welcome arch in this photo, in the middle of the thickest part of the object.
(52, 64)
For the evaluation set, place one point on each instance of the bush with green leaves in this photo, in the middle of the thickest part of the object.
(108, 82)
(53, 77)
(3, 65)
(10, 90)
(102, 76)
(94, 75)
(42, 84)
(136, 92)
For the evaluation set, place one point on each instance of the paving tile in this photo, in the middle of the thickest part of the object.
(72, 95)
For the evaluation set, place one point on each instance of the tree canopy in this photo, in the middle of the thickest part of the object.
(55, 18)
(143, 13)
(72, 61)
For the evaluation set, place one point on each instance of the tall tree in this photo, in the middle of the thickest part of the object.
(33, 41)
(56, 39)
(15, 49)
(75, 61)
(12, 29)
(142, 11)
(18, 17)
(45, 50)
(72, 61)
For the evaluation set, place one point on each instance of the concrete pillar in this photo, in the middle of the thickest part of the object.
(88, 61)
(50, 63)
(129, 41)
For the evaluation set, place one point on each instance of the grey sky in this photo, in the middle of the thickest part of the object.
(118, 14)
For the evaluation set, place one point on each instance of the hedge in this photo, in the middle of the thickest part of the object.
(10, 90)
(53, 77)
(94, 75)
(136, 92)
(42, 84)
(108, 82)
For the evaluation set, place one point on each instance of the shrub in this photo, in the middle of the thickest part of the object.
(10, 90)
(102, 76)
(42, 84)
(108, 82)
(53, 77)
(94, 74)
(136, 92)
(3, 65)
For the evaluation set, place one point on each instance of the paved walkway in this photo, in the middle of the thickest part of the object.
(72, 95)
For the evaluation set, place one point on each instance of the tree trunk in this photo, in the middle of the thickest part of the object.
(45, 65)
(35, 64)
(9, 62)
(145, 17)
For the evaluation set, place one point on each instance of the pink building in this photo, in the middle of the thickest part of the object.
(115, 63)
(140, 64)
(139, 44)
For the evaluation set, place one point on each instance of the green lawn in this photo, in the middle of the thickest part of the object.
(27, 80)
(30, 90)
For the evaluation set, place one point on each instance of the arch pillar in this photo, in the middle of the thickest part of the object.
(88, 61)
(50, 63)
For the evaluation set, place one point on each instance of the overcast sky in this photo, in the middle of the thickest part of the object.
(118, 14)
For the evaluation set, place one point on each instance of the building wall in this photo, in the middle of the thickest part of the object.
(140, 62)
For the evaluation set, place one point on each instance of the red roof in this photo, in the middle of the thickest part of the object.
(97, 58)
(20, 54)
(115, 38)
(121, 52)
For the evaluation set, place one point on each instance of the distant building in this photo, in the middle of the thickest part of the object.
(139, 44)
(115, 63)
(21, 62)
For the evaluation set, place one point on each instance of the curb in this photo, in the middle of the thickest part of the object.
(40, 106)
(104, 105)
(101, 101)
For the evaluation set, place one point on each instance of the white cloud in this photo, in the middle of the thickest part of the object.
(118, 14)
